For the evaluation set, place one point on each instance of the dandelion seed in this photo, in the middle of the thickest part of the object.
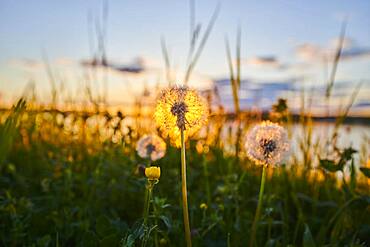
(151, 146)
(180, 108)
(153, 172)
(267, 143)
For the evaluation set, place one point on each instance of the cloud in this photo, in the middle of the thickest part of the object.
(144, 70)
(64, 61)
(355, 52)
(25, 63)
(136, 65)
(35, 65)
(310, 52)
(265, 61)
(348, 43)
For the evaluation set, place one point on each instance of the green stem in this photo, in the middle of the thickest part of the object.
(147, 205)
(228, 239)
(146, 212)
(156, 242)
(206, 175)
(184, 192)
(259, 206)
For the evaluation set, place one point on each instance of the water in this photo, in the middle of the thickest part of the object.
(349, 135)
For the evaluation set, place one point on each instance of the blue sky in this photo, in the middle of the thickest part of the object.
(270, 28)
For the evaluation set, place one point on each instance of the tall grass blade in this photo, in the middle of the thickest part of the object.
(166, 61)
(336, 60)
(9, 128)
(203, 42)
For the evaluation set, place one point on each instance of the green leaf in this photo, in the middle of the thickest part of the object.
(166, 221)
(353, 176)
(330, 165)
(307, 237)
(271, 243)
(365, 171)
(44, 241)
(111, 240)
(89, 239)
(130, 241)
(103, 226)
(366, 199)
(347, 153)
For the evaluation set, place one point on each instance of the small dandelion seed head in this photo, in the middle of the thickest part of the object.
(151, 147)
(180, 108)
(267, 143)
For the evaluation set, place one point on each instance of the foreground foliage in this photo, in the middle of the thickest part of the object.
(65, 182)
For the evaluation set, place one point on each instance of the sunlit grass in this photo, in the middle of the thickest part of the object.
(82, 175)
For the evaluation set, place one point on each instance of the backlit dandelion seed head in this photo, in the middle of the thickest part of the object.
(180, 108)
(267, 143)
(151, 146)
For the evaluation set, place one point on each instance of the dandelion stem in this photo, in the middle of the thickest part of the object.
(259, 206)
(184, 192)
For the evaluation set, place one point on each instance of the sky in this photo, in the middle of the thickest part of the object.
(281, 39)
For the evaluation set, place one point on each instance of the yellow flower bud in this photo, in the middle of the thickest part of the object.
(163, 242)
(153, 172)
(203, 206)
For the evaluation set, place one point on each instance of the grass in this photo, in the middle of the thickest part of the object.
(63, 187)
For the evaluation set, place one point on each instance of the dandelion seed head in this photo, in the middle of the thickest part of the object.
(267, 143)
(151, 146)
(180, 108)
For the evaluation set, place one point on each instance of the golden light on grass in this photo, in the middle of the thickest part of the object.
(179, 113)
(151, 147)
(266, 144)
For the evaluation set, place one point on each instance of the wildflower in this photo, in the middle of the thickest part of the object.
(180, 109)
(203, 206)
(151, 146)
(153, 172)
(179, 113)
(163, 242)
(267, 143)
